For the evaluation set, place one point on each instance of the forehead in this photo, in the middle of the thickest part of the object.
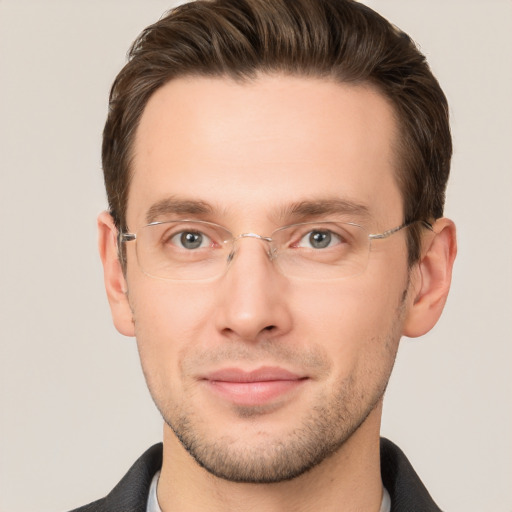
(252, 147)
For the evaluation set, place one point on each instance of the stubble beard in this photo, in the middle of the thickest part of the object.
(273, 460)
(330, 423)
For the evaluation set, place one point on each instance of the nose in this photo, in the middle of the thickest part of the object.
(252, 296)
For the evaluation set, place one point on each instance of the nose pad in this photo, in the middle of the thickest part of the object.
(271, 252)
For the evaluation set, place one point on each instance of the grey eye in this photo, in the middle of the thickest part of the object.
(320, 239)
(190, 240)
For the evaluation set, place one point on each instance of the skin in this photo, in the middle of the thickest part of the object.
(250, 151)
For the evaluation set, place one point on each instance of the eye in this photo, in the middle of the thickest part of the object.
(319, 239)
(190, 240)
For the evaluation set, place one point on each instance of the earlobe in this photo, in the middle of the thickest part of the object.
(432, 280)
(115, 282)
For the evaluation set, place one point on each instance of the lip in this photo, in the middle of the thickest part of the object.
(253, 388)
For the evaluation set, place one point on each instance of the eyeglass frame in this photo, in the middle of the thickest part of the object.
(124, 237)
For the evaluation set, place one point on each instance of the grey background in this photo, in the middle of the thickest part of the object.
(74, 410)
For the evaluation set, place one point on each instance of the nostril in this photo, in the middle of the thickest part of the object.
(269, 328)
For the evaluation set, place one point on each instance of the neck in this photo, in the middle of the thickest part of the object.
(349, 479)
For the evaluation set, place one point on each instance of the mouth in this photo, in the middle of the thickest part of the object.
(253, 388)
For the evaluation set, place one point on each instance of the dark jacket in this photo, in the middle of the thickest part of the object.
(407, 492)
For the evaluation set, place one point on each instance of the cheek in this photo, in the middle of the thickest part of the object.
(355, 321)
(169, 321)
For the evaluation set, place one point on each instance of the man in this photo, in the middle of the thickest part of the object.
(276, 173)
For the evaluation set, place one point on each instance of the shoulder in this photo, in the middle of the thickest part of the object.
(405, 488)
(131, 493)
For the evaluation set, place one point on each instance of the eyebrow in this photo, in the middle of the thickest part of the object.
(327, 206)
(171, 205)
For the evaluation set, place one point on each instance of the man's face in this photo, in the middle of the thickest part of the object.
(259, 375)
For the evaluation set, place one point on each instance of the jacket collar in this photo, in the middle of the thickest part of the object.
(405, 488)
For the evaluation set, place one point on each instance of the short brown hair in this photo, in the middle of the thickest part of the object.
(337, 39)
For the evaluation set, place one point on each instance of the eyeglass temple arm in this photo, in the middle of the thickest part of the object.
(126, 237)
(389, 232)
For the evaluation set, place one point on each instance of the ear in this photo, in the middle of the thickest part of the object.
(115, 282)
(431, 281)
